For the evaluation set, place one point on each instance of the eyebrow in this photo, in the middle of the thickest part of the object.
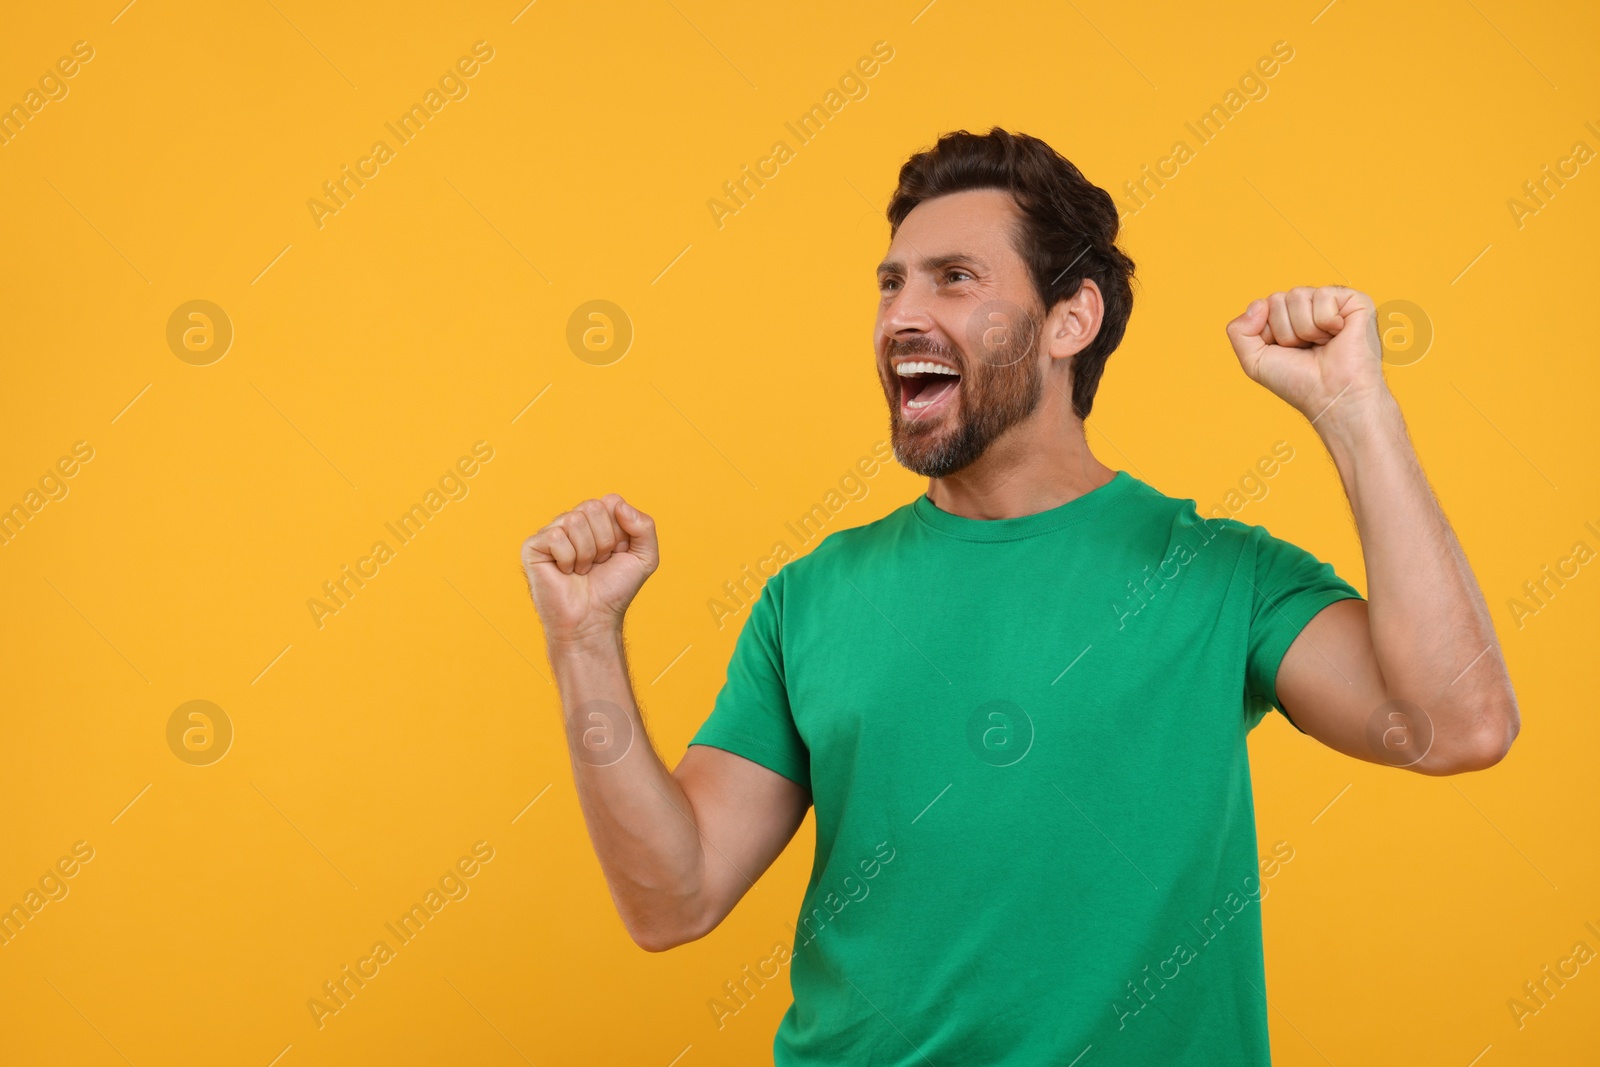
(932, 263)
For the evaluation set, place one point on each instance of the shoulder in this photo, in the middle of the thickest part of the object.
(1251, 553)
(1176, 525)
(1148, 506)
(841, 550)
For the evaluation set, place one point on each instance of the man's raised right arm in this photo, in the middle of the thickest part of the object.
(678, 849)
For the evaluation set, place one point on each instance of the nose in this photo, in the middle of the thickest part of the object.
(903, 315)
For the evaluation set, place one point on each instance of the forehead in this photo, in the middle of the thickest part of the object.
(980, 222)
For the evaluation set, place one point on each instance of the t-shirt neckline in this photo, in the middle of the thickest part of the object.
(1077, 509)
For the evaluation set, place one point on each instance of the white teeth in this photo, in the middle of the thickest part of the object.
(907, 369)
(915, 404)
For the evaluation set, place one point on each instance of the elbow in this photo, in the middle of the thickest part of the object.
(1489, 743)
(653, 941)
(657, 939)
(661, 912)
(659, 935)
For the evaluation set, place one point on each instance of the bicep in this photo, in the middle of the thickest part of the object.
(1330, 684)
(746, 815)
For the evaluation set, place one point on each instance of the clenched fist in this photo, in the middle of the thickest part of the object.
(585, 567)
(1312, 347)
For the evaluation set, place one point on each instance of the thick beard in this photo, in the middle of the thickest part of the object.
(1005, 391)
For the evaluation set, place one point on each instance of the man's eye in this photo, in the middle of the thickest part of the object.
(953, 275)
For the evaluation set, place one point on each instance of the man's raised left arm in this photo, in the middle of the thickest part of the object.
(1413, 676)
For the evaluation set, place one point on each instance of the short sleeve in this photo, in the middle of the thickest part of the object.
(751, 716)
(1289, 587)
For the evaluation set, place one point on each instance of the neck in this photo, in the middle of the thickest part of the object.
(1028, 469)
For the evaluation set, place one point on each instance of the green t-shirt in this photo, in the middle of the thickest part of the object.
(1025, 744)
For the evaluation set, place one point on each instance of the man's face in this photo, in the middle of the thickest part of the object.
(958, 331)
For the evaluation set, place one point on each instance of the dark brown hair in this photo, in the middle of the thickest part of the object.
(1068, 231)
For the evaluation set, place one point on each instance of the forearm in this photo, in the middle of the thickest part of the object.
(1430, 628)
(639, 819)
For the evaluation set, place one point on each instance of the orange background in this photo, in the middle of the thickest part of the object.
(368, 354)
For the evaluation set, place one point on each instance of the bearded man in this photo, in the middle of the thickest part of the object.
(1019, 703)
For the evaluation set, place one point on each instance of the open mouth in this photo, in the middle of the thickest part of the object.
(926, 387)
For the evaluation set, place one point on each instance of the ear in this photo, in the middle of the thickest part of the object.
(1074, 322)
